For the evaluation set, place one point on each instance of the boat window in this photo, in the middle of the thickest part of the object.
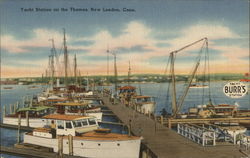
(60, 124)
(77, 123)
(68, 124)
(92, 121)
(84, 122)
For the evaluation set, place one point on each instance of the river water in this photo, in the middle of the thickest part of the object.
(157, 90)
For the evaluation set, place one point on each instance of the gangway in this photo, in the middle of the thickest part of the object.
(244, 142)
(198, 134)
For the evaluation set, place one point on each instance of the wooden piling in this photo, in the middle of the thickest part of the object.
(31, 102)
(10, 106)
(70, 139)
(18, 129)
(129, 128)
(14, 108)
(161, 119)
(169, 123)
(155, 124)
(17, 105)
(147, 153)
(60, 146)
(4, 111)
(23, 100)
(27, 119)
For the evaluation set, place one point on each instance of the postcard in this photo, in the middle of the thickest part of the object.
(125, 79)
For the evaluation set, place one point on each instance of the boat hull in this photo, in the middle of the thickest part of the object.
(33, 122)
(90, 148)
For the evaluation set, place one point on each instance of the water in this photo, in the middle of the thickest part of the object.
(158, 90)
(17, 94)
(11, 96)
(194, 97)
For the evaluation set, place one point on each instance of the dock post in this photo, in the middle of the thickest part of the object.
(214, 142)
(4, 111)
(147, 153)
(17, 104)
(60, 146)
(18, 129)
(129, 128)
(14, 108)
(155, 124)
(234, 137)
(10, 106)
(203, 139)
(169, 123)
(27, 118)
(31, 102)
(70, 139)
(161, 119)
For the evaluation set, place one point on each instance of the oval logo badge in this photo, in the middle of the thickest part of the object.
(235, 89)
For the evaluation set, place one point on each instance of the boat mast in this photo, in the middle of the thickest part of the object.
(115, 69)
(174, 105)
(129, 73)
(87, 86)
(75, 70)
(80, 79)
(107, 66)
(65, 59)
(52, 62)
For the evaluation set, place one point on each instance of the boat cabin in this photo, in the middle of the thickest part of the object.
(72, 107)
(126, 93)
(140, 99)
(70, 124)
(127, 89)
(93, 101)
(219, 110)
(33, 112)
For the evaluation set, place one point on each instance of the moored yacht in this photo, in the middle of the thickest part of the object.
(143, 104)
(88, 139)
(75, 108)
(34, 116)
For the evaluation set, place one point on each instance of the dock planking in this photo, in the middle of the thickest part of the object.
(164, 142)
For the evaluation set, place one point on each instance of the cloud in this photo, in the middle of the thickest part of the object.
(40, 38)
(137, 44)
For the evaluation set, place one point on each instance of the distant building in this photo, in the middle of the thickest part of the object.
(7, 82)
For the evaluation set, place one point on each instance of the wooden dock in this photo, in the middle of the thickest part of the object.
(241, 120)
(164, 142)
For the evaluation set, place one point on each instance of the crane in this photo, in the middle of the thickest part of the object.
(176, 107)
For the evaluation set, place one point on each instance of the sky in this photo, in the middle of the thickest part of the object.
(143, 36)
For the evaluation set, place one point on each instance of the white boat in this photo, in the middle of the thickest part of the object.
(198, 86)
(75, 108)
(35, 115)
(143, 104)
(234, 130)
(88, 140)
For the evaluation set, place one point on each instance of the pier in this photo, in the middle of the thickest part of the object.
(164, 142)
(159, 140)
